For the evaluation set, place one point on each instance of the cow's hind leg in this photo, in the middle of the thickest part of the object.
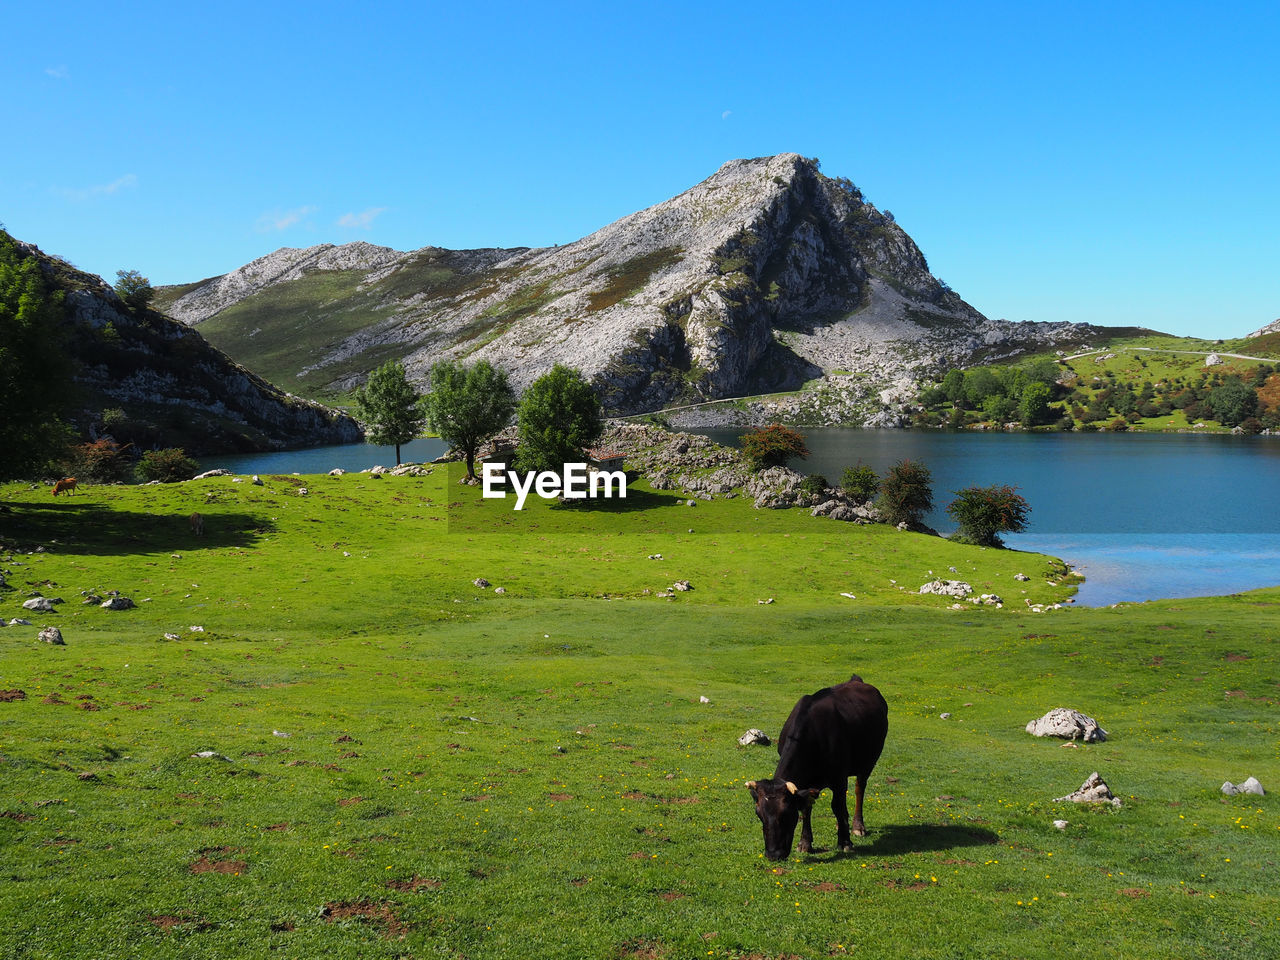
(859, 828)
(840, 807)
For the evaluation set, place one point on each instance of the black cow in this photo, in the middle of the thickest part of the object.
(831, 735)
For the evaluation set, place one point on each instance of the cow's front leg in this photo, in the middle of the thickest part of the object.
(806, 829)
(840, 807)
(859, 828)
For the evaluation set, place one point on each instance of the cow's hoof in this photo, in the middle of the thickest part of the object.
(859, 830)
(846, 847)
(804, 847)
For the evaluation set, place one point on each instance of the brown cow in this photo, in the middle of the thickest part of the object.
(65, 485)
(197, 524)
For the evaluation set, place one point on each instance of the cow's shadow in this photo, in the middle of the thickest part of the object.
(896, 839)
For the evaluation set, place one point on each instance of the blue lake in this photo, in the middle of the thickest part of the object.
(1142, 516)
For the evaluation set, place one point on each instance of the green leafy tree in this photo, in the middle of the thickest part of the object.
(558, 416)
(389, 407)
(906, 493)
(168, 466)
(1233, 402)
(985, 512)
(134, 289)
(980, 384)
(1033, 408)
(953, 386)
(467, 405)
(35, 374)
(773, 446)
(861, 481)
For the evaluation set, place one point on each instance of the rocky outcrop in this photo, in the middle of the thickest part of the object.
(169, 385)
(764, 277)
(1272, 327)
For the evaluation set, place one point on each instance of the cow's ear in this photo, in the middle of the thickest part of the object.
(751, 785)
(808, 796)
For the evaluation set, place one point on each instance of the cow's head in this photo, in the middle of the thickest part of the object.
(779, 804)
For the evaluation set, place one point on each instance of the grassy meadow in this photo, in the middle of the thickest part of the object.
(407, 765)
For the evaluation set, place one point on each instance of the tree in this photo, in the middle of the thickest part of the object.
(1034, 405)
(773, 446)
(389, 407)
(134, 289)
(861, 481)
(906, 493)
(558, 416)
(467, 405)
(35, 372)
(985, 512)
(1233, 402)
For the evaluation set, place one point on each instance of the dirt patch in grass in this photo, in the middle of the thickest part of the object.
(826, 886)
(54, 700)
(9, 696)
(559, 797)
(16, 815)
(277, 826)
(210, 861)
(414, 884)
(169, 921)
(902, 885)
(669, 895)
(1135, 893)
(641, 950)
(1237, 657)
(349, 801)
(379, 914)
(283, 926)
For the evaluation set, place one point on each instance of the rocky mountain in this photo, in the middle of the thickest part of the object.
(160, 383)
(1272, 327)
(765, 277)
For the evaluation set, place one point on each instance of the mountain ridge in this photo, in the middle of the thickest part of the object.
(763, 277)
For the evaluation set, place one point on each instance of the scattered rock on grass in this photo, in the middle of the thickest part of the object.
(1093, 790)
(753, 736)
(1249, 786)
(256, 481)
(117, 603)
(1022, 577)
(38, 604)
(947, 588)
(1061, 824)
(1067, 724)
(52, 635)
(480, 582)
(682, 585)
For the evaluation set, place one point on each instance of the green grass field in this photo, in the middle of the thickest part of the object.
(411, 766)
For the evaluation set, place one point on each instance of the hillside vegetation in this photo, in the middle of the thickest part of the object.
(404, 763)
(1136, 383)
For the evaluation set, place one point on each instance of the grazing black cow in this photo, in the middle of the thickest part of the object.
(831, 735)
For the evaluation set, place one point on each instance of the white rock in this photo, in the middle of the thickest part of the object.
(52, 635)
(1093, 790)
(336, 472)
(1060, 824)
(212, 473)
(753, 736)
(38, 604)
(117, 603)
(703, 700)
(947, 588)
(279, 733)
(1067, 724)
(256, 481)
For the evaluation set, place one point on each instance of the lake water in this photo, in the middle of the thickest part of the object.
(1142, 516)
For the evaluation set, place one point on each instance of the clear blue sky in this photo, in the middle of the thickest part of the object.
(1111, 163)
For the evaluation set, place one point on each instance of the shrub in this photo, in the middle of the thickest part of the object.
(773, 446)
(985, 512)
(814, 484)
(861, 481)
(906, 493)
(103, 461)
(168, 466)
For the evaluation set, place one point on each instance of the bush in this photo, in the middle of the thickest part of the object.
(906, 493)
(985, 512)
(814, 484)
(861, 481)
(773, 446)
(103, 461)
(168, 466)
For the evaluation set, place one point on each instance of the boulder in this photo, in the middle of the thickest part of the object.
(19, 622)
(52, 635)
(1067, 724)
(753, 736)
(1249, 786)
(336, 472)
(38, 604)
(947, 588)
(682, 586)
(256, 481)
(480, 582)
(302, 491)
(1093, 790)
(117, 603)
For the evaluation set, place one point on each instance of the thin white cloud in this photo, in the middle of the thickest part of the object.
(278, 220)
(60, 72)
(360, 221)
(80, 194)
(725, 115)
